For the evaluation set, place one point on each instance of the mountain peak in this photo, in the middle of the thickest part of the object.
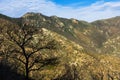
(31, 14)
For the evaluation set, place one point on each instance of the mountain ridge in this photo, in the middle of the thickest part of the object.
(91, 36)
(81, 32)
(88, 51)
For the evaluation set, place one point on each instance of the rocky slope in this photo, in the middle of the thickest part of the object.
(92, 36)
(82, 46)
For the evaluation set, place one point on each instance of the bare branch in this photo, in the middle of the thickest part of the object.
(25, 39)
(40, 68)
(18, 59)
(50, 61)
(37, 51)
(33, 63)
(12, 38)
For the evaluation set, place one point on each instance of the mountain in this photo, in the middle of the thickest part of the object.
(92, 36)
(70, 28)
(110, 28)
(87, 51)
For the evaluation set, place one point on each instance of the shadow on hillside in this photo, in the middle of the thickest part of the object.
(6, 73)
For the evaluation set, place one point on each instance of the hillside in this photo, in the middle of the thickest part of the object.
(110, 28)
(92, 36)
(86, 51)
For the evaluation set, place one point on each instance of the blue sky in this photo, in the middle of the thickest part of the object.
(75, 2)
(78, 2)
(88, 10)
(70, 2)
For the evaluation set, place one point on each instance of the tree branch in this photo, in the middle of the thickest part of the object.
(12, 38)
(33, 63)
(40, 68)
(18, 59)
(26, 40)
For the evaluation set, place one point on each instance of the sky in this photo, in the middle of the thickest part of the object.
(87, 10)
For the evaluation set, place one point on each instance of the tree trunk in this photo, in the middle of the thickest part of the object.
(26, 70)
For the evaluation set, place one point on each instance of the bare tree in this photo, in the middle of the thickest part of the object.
(24, 45)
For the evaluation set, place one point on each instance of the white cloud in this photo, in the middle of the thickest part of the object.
(95, 11)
